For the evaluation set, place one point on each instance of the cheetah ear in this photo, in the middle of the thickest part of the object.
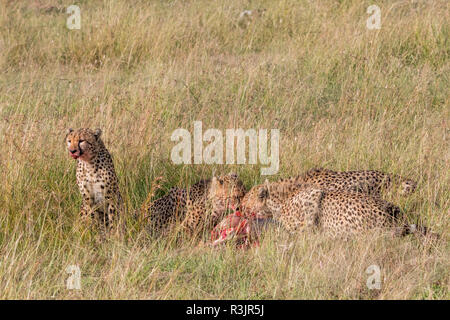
(67, 134)
(214, 182)
(98, 133)
(263, 193)
(233, 175)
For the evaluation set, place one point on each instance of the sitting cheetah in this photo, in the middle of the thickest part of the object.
(337, 213)
(96, 177)
(367, 181)
(203, 205)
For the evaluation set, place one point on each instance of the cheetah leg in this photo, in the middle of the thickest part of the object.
(195, 219)
(111, 215)
(191, 222)
(86, 213)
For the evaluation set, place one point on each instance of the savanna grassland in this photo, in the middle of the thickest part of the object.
(343, 97)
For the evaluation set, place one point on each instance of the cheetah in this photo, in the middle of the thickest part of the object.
(96, 177)
(371, 182)
(336, 213)
(201, 206)
(166, 211)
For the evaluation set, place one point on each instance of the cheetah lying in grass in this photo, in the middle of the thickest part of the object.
(201, 206)
(304, 206)
(369, 182)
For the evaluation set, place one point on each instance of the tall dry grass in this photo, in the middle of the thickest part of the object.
(343, 97)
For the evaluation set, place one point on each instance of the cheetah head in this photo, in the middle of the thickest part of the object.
(226, 192)
(254, 202)
(408, 187)
(265, 200)
(257, 202)
(83, 143)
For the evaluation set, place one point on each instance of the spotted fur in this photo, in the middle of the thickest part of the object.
(96, 177)
(336, 213)
(203, 205)
(371, 182)
(166, 211)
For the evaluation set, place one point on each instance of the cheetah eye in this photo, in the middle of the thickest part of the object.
(69, 141)
(80, 141)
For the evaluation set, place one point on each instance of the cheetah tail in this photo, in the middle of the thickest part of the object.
(420, 230)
